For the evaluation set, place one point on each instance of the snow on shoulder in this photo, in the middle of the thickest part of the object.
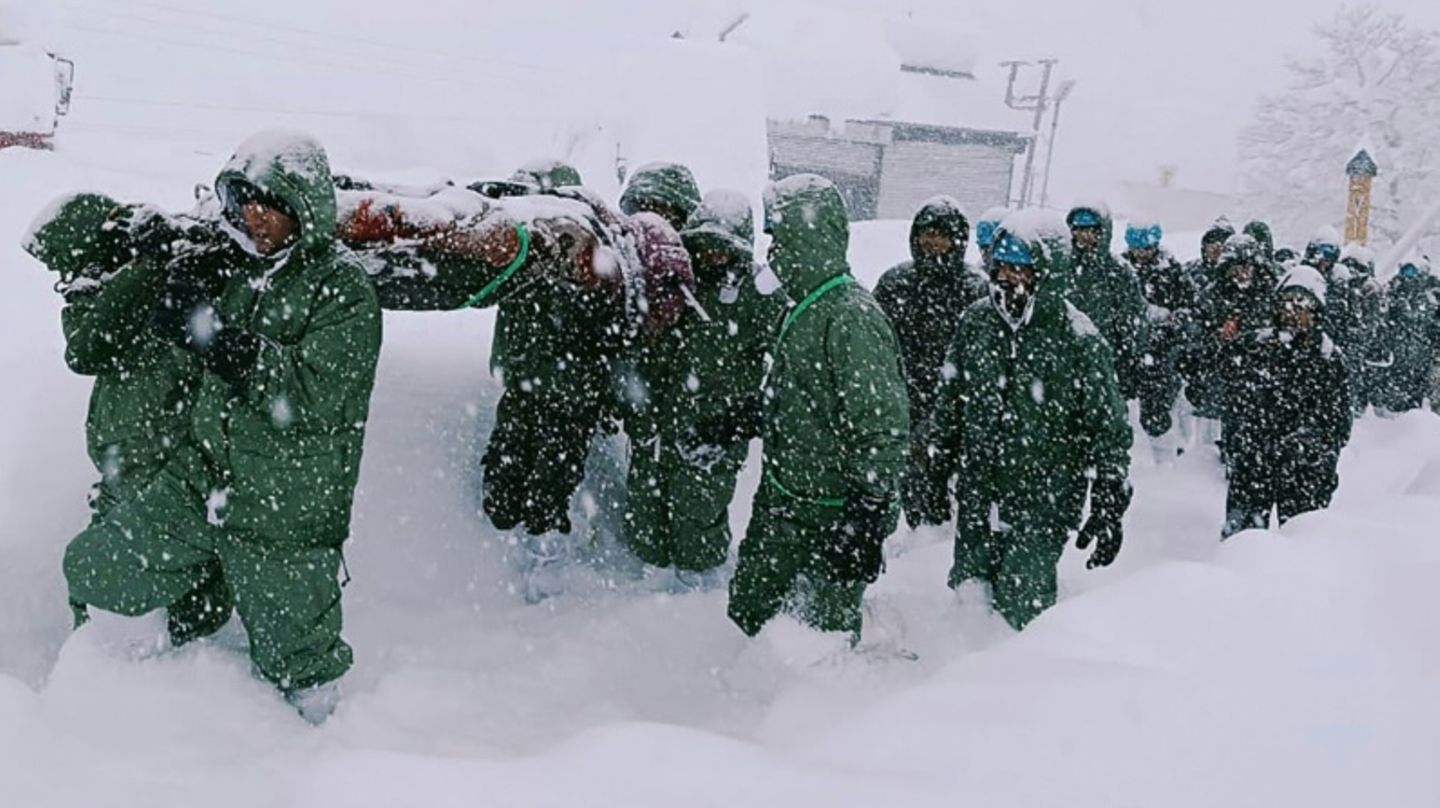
(796, 185)
(1307, 278)
(1080, 324)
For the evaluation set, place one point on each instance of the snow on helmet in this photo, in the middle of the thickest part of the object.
(1141, 235)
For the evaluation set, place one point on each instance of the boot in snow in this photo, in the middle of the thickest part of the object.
(542, 565)
(315, 704)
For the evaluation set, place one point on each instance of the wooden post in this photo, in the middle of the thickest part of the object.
(1362, 170)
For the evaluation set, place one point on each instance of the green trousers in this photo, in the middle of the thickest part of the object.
(678, 505)
(780, 570)
(159, 550)
(1018, 561)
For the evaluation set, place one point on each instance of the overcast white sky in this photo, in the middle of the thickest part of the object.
(1161, 82)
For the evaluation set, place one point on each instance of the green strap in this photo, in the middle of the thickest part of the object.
(770, 476)
(520, 258)
(829, 502)
(838, 280)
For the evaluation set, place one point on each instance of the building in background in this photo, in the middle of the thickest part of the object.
(894, 111)
(887, 169)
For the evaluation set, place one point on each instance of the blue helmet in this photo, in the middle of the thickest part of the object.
(1012, 250)
(985, 233)
(1143, 237)
(1084, 217)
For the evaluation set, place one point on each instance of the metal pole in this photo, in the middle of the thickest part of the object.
(1060, 97)
(1027, 188)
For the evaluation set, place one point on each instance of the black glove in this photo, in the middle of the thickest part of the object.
(147, 231)
(857, 551)
(742, 420)
(186, 301)
(1109, 499)
(187, 317)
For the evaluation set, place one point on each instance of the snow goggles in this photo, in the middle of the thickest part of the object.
(235, 195)
(1143, 238)
(1011, 250)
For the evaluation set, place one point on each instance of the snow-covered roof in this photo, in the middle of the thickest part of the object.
(27, 89)
(843, 64)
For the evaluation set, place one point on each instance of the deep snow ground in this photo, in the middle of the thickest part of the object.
(1295, 667)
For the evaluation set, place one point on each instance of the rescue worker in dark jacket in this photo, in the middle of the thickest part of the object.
(1206, 269)
(1108, 293)
(1411, 334)
(1287, 411)
(924, 299)
(1028, 416)
(690, 433)
(1239, 302)
(1171, 301)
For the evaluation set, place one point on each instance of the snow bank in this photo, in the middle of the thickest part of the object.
(27, 93)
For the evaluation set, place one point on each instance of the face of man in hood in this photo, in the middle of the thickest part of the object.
(1013, 285)
(935, 244)
(1242, 274)
(1211, 250)
(270, 226)
(1085, 238)
(1298, 312)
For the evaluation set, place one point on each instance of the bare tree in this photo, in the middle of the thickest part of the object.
(1376, 85)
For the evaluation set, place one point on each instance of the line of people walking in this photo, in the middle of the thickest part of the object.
(234, 351)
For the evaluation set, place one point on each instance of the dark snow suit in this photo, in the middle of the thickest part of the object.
(1412, 335)
(143, 387)
(1022, 420)
(254, 510)
(1172, 301)
(924, 299)
(1287, 418)
(1109, 294)
(686, 444)
(836, 424)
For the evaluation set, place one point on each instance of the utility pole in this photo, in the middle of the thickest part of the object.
(1060, 96)
(1027, 103)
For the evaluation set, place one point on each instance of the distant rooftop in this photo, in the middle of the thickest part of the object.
(848, 65)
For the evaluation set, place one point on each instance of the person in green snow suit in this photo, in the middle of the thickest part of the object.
(512, 325)
(1108, 293)
(1028, 415)
(690, 436)
(924, 299)
(254, 509)
(1411, 333)
(667, 190)
(835, 428)
(139, 403)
